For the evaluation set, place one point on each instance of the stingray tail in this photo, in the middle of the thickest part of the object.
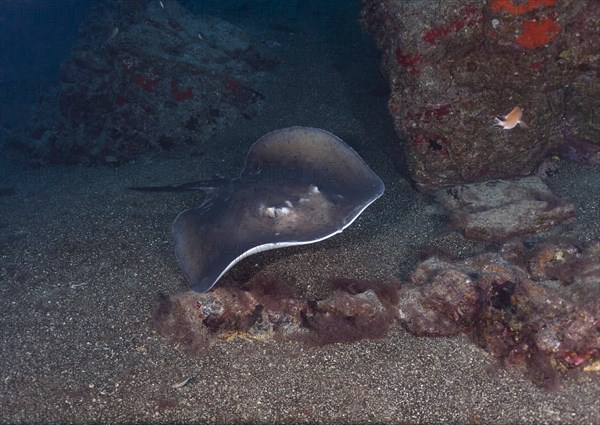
(206, 186)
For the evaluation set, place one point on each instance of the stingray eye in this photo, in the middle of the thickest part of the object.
(254, 172)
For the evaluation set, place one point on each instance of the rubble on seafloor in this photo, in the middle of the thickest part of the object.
(535, 309)
(145, 76)
(498, 210)
(453, 67)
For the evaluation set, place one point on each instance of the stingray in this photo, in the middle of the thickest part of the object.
(299, 185)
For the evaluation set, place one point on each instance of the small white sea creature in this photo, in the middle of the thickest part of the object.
(113, 32)
(182, 383)
(511, 119)
(161, 4)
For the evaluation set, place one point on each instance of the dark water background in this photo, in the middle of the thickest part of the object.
(35, 37)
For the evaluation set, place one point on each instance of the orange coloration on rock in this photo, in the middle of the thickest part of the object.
(536, 34)
(521, 7)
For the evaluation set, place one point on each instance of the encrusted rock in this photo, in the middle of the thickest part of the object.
(446, 289)
(454, 67)
(145, 76)
(545, 326)
(538, 310)
(501, 209)
(267, 309)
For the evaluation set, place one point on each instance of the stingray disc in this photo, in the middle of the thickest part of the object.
(299, 185)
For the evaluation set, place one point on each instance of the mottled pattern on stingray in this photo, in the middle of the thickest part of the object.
(299, 185)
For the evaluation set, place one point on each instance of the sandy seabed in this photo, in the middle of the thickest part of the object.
(81, 260)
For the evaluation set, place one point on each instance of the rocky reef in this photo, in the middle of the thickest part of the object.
(498, 210)
(453, 67)
(145, 76)
(535, 309)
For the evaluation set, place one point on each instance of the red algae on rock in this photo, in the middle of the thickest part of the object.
(538, 310)
(180, 95)
(516, 7)
(545, 327)
(144, 82)
(408, 61)
(469, 16)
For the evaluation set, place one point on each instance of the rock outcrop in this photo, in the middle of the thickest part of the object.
(455, 66)
(146, 76)
(536, 309)
(498, 210)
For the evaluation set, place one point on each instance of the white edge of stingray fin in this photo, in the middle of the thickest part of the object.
(269, 246)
